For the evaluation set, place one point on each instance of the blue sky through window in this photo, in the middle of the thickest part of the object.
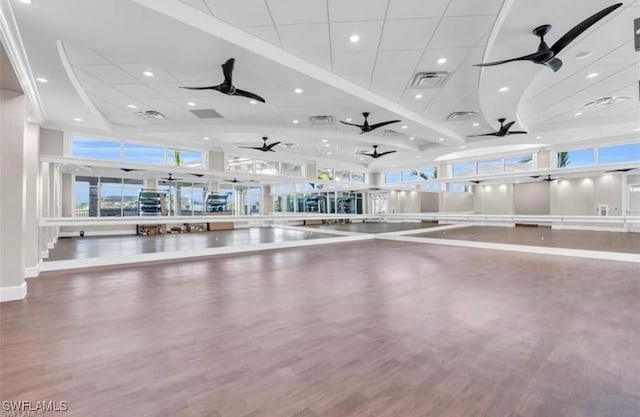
(619, 153)
(95, 149)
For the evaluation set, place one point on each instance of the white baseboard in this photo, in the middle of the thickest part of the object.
(590, 228)
(32, 271)
(99, 233)
(13, 293)
(44, 254)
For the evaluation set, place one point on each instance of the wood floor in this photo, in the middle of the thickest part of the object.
(99, 246)
(376, 227)
(545, 236)
(375, 328)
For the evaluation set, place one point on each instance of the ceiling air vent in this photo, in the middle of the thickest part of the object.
(288, 145)
(605, 101)
(429, 79)
(461, 115)
(151, 115)
(389, 132)
(206, 114)
(321, 120)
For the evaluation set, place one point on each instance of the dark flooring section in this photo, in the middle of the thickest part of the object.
(101, 246)
(374, 328)
(545, 236)
(376, 227)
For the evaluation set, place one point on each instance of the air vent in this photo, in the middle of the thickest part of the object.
(431, 79)
(151, 115)
(605, 101)
(389, 132)
(461, 115)
(206, 114)
(321, 120)
(288, 145)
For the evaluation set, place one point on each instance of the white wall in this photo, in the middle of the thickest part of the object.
(493, 199)
(31, 230)
(12, 126)
(51, 142)
(455, 202)
(532, 198)
(429, 202)
(581, 196)
(404, 202)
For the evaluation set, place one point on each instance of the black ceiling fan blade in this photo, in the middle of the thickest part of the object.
(131, 169)
(248, 94)
(508, 126)
(270, 147)
(259, 148)
(486, 134)
(198, 175)
(577, 30)
(476, 181)
(213, 87)
(377, 125)
(539, 56)
(351, 124)
(227, 70)
(622, 170)
(385, 153)
(517, 132)
(555, 64)
(370, 154)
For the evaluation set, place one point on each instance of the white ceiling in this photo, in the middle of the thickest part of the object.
(108, 45)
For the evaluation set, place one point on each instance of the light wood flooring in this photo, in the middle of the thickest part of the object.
(374, 328)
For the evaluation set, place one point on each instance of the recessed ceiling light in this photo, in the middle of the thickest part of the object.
(42, 80)
(28, 119)
(442, 61)
(132, 106)
(362, 159)
(538, 137)
(412, 138)
(148, 74)
(78, 119)
(578, 113)
(583, 54)
(191, 103)
(476, 124)
(25, 1)
(354, 38)
(298, 90)
(418, 156)
(419, 96)
(592, 75)
(503, 89)
(348, 119)
(328, 145)
(463, 146)
(324, 141)
(295, 121)
(206, 138)
(637, 129)
(252, 101)
(404, 126)
(440, 139)
(329, 153)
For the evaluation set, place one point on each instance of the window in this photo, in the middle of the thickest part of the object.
(343, 176)
(86, 196)
(518, 163)
(575, 158)
(290, 170)
(143, 154)
(412, 175)
(110, 197)
(629, 152)
(252, 201)
(95, 148)
(266, 167)
(231, 200)
(130, 191)
(392, 177)
(357, 177)
(464, 170)
(239, 164)
(495, 166)
(432, 186)
(325, 174)
(180, 157)
(458, 188)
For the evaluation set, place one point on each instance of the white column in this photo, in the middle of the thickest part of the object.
(31, 230)
(12, 204)
(44, 208)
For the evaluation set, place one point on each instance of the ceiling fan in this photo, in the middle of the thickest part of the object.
(366, 127)
(237, 181)
(170, 178)
(503, 130)
(375, 154)
(622, 170)
(477, 181)
(264, 147)
(548, 178)
(131, 169)
(227, 86)
(197, 175)
(546, 55)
